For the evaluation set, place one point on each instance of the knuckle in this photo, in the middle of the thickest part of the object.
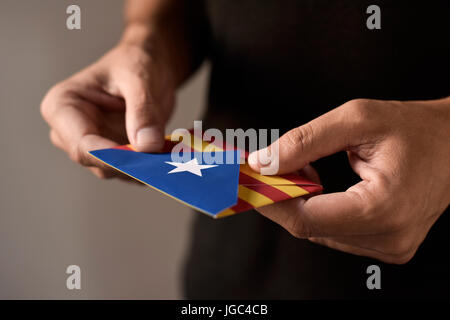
(143, 108)
(138, 59)
(383, 208)
(101, 174)
(76, 155)
(44, 108)
(371, 209)
(144, 115)
(401, 247)
(142, 101)
(395, 214)
(45, 103)
(370, 212)
(358, 104)
(299, 228)
(298, 233)
(53, 138)
(403, 259)
(396, 221)
(359, 109)
(300, 138)
(56, 92)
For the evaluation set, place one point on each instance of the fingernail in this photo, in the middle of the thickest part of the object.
(254, 159)
(149, 139)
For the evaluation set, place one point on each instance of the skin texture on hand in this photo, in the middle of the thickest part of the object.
(111, 102)
(128, 95)
(401, 151)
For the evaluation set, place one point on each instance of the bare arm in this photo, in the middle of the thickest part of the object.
(128, 95)
(172, 30)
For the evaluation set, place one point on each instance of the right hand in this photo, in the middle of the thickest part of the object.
(125, 97)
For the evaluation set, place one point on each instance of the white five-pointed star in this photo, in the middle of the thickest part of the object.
(191, 166)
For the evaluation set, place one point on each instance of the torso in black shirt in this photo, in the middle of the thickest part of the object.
(279, 64)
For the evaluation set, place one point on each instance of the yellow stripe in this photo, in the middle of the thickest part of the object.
(203, 146)
(277, 182)
(211, 147)
(256, 199)
(198, 144)
(225, 213)
(131, 147)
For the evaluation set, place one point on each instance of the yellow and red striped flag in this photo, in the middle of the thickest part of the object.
(253, 189)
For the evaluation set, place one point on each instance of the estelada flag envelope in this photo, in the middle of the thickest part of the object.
(220, 189)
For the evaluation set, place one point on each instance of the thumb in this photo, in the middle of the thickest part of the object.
(323, 136)
(143, 116)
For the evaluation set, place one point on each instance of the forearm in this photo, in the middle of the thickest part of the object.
(171, 30)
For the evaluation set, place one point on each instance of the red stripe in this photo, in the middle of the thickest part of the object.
(297, 179)
(302, 182)
(241, 206)
(263, 188)
(221, 144)
(312, 188)
(168, 146)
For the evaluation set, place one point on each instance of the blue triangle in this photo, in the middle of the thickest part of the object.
(213, 192)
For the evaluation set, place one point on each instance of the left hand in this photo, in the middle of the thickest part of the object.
(401, 151)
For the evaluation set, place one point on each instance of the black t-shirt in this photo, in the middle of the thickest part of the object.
(279, 64)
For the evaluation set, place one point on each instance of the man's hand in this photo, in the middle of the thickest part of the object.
(401, 151)
(127, 96)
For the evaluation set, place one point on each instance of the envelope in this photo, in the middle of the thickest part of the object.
(218, 189)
